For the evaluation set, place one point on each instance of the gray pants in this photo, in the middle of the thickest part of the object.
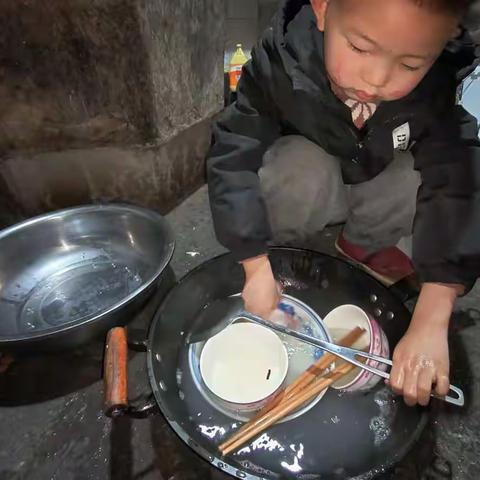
(304, 192)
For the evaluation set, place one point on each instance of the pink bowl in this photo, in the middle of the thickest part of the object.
(345, 318)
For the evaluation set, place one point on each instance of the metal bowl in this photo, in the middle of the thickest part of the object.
(71, 272)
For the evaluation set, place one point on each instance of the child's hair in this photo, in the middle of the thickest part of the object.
(453, 7)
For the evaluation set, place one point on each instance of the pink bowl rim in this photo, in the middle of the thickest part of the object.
(352, 385)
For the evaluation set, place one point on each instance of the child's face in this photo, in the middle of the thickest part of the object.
(379, 50)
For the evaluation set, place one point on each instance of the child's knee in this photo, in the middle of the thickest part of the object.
(295, 159)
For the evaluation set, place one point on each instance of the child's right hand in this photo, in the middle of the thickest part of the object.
(261, 293)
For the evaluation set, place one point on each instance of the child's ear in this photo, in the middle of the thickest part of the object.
(320, 10)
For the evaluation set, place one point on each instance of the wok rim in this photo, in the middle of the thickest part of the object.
(9, 340)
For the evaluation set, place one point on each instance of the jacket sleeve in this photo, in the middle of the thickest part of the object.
(240, 138)
(446, 234)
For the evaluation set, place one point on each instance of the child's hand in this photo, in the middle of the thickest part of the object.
(421, 360)
(261, 293)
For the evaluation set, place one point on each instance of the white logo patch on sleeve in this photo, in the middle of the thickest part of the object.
(401, 137)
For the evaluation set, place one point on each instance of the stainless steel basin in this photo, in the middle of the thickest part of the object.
(73, 268)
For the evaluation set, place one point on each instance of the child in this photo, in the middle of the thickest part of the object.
(345, 111)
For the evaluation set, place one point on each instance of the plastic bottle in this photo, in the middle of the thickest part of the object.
(235, 68)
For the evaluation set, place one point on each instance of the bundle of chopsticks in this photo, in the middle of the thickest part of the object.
(308, 385)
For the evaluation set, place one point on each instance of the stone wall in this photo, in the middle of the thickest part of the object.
(94, 92)
(157, 177)
(184, 41)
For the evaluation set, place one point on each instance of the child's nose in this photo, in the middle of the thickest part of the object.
(377, 76)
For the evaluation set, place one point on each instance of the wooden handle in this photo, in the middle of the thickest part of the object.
(115, 372)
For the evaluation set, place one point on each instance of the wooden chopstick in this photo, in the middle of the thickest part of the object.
(287, 406)
(302, 381)
(312, 372)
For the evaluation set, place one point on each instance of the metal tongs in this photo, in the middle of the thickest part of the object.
(231, 309)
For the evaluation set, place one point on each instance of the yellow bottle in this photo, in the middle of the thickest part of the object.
(235, 69)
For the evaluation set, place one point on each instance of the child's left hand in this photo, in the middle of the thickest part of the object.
(421, 359)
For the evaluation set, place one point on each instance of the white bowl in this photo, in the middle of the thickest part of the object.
(245, 364)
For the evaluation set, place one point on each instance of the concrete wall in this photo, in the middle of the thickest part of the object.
(106, 99)
(157, 176)
(74, 73)
(183, 40)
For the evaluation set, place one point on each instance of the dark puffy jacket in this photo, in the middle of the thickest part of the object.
(284, 90)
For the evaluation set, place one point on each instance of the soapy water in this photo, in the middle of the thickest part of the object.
(386, 401)
(264, 442)
(286, 282)
(293, 467)
(212, 431)
(300, 321)
(80, 292)
(267, 444)
(381, 425)
(381, 429)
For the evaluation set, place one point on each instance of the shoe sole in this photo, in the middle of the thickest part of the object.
(385, 280)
